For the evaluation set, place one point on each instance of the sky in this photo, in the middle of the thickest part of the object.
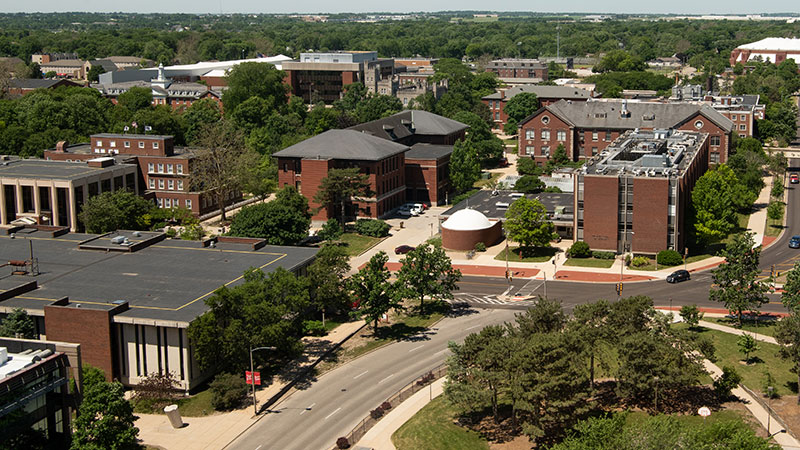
(328, 6)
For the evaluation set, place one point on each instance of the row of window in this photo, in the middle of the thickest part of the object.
(170, 184)
(173, 203)
(177, 168)
(561, 135)
(126, 144)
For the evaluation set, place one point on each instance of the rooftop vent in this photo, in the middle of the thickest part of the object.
(502, 205)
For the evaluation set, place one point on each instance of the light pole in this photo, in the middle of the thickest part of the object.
(769, 407)
(507, 277)
(253, 376)
(656, 380)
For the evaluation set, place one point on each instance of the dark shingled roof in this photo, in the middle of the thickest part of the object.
(410, 122)
(32, 83)
(565, 92)
(343, 144)
(428, 151)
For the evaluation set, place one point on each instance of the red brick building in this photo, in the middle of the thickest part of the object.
(428, 173)
(547, 95)
(519, 68)
(585, 129)
(775, 50)
(323, 76)
(742, 110)
(634, 199)
(176, 94)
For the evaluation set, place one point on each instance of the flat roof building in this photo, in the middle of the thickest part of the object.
(773, 49)
(323, 75)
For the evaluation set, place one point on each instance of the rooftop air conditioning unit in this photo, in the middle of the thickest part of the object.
(502, 205)
(517, 195)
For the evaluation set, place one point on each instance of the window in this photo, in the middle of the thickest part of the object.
(188, 203)
(546, 150)
(99, 144)
(161, 184)
(155, 144)
(594, 151)
(152, 183)
(741, 135)
(698, 124)
(530, 134)
(151, 167)
(169, 168)
(545, 135)
(160, 202)
(179, 168)
(529, 150)
(127, 144)
(141, 144)
(595, 136)
(742, 127)
(715, 140)
(180, 185)
(744, 117)
(171, 185)
(608, 136)
(112, 144)
(714, 159)
(545, 120)
(496, 115)
(562, 135)
(160, 168)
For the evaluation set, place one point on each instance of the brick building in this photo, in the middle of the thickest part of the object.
(513, 68)
(547, 95)
(18, 87)
(414, 126)
(634, 199)
(164, 170)
(775, 50)
(585, 129)
(322, 76)
(741, 110)
(428, 173)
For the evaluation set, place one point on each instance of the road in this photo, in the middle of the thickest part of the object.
(335, 403)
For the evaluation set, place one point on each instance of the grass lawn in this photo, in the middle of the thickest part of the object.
(766, 358)
(589, 262)
(765, 327)
(494, 176)
(651, 266)
(433, 427)
(534, 255)
(699, 257)
(197, 405)
(356, 244)
(774, 227)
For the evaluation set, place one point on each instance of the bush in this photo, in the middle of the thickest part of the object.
(192, 233)
(331, 230)
(777, 191)
(691, 315)
(726, 382)
(603, 255)
(480, 247)
(706, 347)
(527, 166)
(171, 232)
(628, 260)
(227, 391)
(669, 258)
(155, 390)
(342, 443)
(376, 413)
(529, 184)
(553, 190)
(640, 261)
(768, 382)
(372, 227)
(461, 197)
(386, 406)
(775, 211)
(313, 328)
(579, 249)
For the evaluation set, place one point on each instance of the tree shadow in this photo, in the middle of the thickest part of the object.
(403, 332)
(461, 309)
(792, 386)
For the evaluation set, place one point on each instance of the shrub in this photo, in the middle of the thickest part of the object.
(372, 227)
(155, 390)
(330, 230)
(628, 260)
(640, 261)
(527, 166)
(386, 406)
(435, 241)
(529, 184)
(171, 232)
(480, 247)
(192, 233)
(768, 382)
(313, 328)
(342, 443)
(669, 258)
(775, 211)
(777, 191)
(553, 190)
(603, 255)
(579, 249)
(706, 347)
(376, 413)
(227, 391)
(461, 197)
(691, 314)
(726, 382)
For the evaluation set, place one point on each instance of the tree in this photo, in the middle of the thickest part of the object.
(691, 315)
(726, 382)
(529, 184)
(427, 271)
(747, 344)
(135, 99)
(253, 79)
(18, 324)
(791, 289)
(221, 166)
(115, 210)
(199, 115)
(590, 327)
(94, 73)
(713, 204)
(373, 291)
(787, 334)
(775, 211)
(521, 106)
(376, 107)
(264, 310)
(527, 166)
(465, 169)
(342, 186)
(282, 221)
(737, 278)
(326, 276)
(105, 420)
(619, 61)
(331, 230)
(526, 223)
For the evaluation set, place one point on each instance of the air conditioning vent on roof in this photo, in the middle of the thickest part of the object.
(502, 205)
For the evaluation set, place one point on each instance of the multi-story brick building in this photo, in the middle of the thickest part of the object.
(634, 198)
(322, 76)
(775, 50)
(742, 110)
(585, 129)
(531, 69)
(547, 95)
(428, 173)
(164, 170)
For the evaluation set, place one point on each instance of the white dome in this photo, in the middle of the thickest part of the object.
(467, 220)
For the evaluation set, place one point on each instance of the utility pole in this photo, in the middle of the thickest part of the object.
(253, 376)
(558, 41)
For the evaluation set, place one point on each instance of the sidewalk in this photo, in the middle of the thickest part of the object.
(218, 430)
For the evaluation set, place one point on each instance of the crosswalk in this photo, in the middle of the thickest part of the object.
(488, 300)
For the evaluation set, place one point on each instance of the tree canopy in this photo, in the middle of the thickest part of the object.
(527, 223)
(283, 221)
(249, 80)
(737, 281)
(115, 210)
(340, 187)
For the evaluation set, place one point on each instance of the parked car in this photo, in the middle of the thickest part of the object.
(417, 208)
(678, 276)
(403, 249)
(794, 179)
(794, 242)
(503, 162)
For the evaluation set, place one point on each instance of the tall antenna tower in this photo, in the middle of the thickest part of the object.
(558, 41)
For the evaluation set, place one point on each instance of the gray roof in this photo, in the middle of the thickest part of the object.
(485, 202)
(343, 144)
(50, 170)
(32, 83)
(606, 114)
(410, 122)
(563, 92)
(108, 65)
(428, 151)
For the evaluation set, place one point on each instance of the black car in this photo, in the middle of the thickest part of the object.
(403, 249)
(678, 276)
(794, 242)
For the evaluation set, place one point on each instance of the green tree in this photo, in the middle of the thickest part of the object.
(264, 310)
(465, 169)
(713, 205)
(252, 79)
(136, 98)
(376, 107)
(373, 291)
(427, 271)
(18, 324)
(619, 61)
(726, 382)
(519, 107)
(105, 420)
(340, 187)
(775, 211)
(199, 115)
(787, 334)
(791, 289)
(738, 286)
(115, 210)
(529, 184)
(331, 230)
(526, 223)
(527, 166)
(282, 221)
(691, 315)
(94, 73)
(590, 327)
(326, 276)
(747, 345)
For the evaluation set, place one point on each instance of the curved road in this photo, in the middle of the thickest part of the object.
(313, 418)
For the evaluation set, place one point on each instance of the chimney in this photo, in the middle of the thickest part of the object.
(61, 146)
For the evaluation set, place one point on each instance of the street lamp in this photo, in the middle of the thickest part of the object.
(252, 374)
(656, 380)
(507, 277)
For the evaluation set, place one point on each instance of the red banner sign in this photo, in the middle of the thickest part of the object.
(248, 377)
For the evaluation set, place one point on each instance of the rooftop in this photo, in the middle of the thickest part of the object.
(343, 144)
(429, 151)
(168, 280)
(494, 204)
(565, 92)
(50, 170)
(773, 43)
(11, 363)
(32, 83)
(410, 122)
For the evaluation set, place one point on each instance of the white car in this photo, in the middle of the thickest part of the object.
(417, 208)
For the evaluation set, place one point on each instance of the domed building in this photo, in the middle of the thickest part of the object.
(467, 227)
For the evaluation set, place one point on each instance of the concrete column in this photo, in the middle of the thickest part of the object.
(19, 197)
(73, 214)
(37, 207)
(3, 218)
(54, 204)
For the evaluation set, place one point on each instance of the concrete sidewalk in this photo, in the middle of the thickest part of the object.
(219, 429)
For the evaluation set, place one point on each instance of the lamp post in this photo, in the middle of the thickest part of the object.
(507, 277)
(769, 407)
(252, 374)
(656, 380)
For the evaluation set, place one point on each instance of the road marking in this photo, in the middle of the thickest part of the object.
(416, 348)
(306, 410)
(329, 415)
(359, 375)
(441, 351)
(258, 447)
(474, 326)
(390, 376)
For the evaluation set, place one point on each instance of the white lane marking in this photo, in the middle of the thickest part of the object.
(306, 410)
(258, 447)
(474, 326)
(359, 375)
(390, 376)
(416, 348)
(441, 351)
(329, 415)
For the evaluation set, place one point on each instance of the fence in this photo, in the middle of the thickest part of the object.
(769, 409)
(394, 400)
